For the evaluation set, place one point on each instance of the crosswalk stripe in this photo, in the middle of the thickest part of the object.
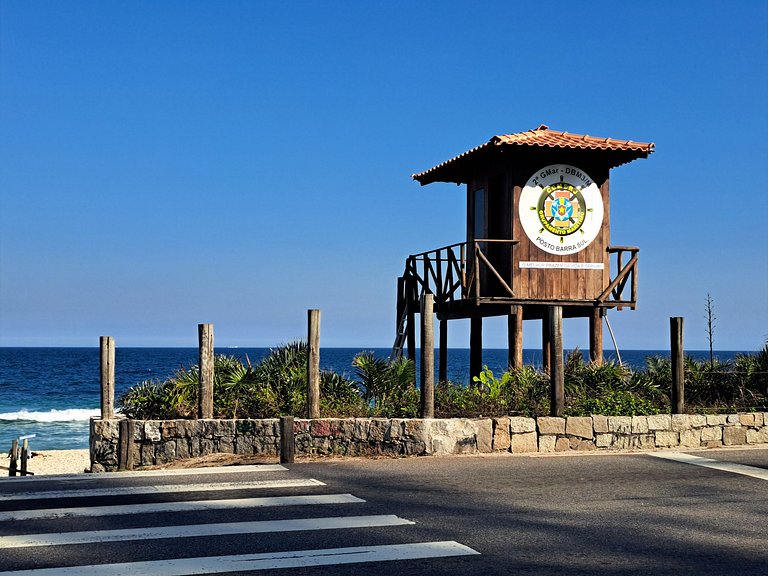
(162, 489)
(196, 505)
(248, 469)
(742, 469)
(193, 530)
(263, 561)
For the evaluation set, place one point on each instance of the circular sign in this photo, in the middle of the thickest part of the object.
(561, 209)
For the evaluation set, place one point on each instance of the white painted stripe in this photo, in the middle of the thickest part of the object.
(194, 530)
(197, 505)
(162, 489)
(146, 473)
(264, 561)
(752, 471)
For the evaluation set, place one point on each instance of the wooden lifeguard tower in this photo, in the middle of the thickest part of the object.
(537, 242)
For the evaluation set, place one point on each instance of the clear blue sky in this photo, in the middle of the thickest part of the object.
(164, 164)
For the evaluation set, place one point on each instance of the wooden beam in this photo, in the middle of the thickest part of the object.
(596, 336)
(443, 370)
(475, 346)
(205, 339)
(678, 365)
(427, 379)
(107, 361)
(515, 337)
(313, 363)
(556, 374)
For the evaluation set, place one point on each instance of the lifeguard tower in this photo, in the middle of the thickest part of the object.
(537, 242)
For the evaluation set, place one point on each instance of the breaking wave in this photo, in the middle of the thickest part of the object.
(68, 415)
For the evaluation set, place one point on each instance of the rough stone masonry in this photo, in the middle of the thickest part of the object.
(152, 442)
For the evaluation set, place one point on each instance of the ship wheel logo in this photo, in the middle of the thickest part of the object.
(561, 209)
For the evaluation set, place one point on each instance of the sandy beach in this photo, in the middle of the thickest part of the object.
(46, 462)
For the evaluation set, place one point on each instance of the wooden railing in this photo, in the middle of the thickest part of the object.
(458, 271)
(625, 274)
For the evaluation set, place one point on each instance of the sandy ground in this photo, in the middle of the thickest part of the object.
(47, 462)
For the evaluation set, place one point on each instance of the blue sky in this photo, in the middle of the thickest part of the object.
(164, 164)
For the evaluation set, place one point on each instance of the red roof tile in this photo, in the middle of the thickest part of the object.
(623, 150)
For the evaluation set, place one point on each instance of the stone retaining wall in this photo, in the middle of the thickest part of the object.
(149, 442)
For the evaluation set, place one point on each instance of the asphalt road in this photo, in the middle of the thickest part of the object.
(576, 514)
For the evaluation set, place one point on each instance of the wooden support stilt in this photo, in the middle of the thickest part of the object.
(410, 306)
(14, 456)
(107, 361)
(443, 369)
(596, 336)
(475, 347)
(556, 374)
(678, 365)
(313, 364)
(24, 456)
(515, 337)
(427, 356)
(205, 338)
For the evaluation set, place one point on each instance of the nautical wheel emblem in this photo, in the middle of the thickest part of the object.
(561, 209)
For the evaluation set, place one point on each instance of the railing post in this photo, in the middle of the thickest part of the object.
(14, 455)
(107, 362)
(678, 365)
(427, 357)
(443, 369)
(205, 339)
(287, 440)
(313, 363)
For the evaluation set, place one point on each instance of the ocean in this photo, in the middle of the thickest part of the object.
(52, 392)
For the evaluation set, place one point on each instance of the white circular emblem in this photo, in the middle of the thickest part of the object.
(561, 209)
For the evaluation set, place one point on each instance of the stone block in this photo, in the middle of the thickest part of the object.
(106, 429)
(716, 419)
(165, 452)
(226, 445)
(168, 429)
(147, 455)
(551, 425)
(734, 436)
(711, 433)
(378, 429)
(732, 419)
(666, 439)
(659, 422)
(747, 419)
(182, 448)
(395, 430)
(640, 425)
(562, 445)
(690, 438)
(501, 439)
(581, 444)
(697, 420)
(484, 435)
(761, 419)
(520, 425)
(580, 426)
(320, 428)
(757, 436)
(621, 424)
(680, 422)
(152, 431)
(604, 440)
(547, 443)
(600, 423)
(524, 442)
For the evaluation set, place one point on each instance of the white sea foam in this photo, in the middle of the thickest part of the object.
(69, 415)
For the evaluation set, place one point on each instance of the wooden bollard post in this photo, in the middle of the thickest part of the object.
(205, 337)
(427, 356)
(125, 445)
(107, 358)
(24, 456)
(556, 374)
(678, 365)
(13, 465)
(313, 363)
(287, 440)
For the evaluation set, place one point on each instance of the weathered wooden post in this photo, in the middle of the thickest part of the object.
(546, 346)
(205, 337)
(475, 346)
(410, 307)
(515, 337)
(287, 440)
(596, 336)
(14, 455)
(556, 374)
(24, 456)
(427, 356)
(107, 361)
(678, 365)
(125, 445)
(313, 363)
(443, 369)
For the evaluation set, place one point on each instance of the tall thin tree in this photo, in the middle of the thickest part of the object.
(709, 310)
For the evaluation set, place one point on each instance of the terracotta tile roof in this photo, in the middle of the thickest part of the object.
(620, 151)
